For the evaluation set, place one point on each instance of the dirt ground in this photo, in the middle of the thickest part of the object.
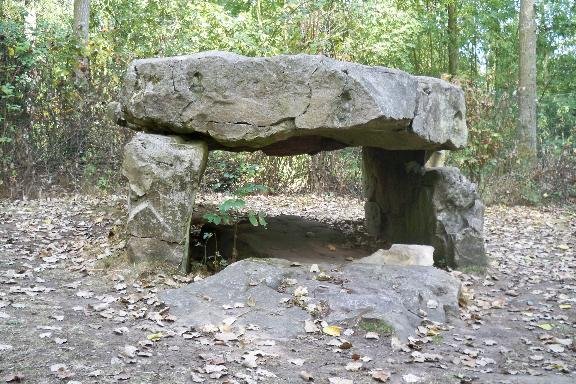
(73, 310)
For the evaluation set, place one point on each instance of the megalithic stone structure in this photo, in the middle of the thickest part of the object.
(163, 174)
(295, 104)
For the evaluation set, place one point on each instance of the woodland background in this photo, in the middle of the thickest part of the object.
(55, 84)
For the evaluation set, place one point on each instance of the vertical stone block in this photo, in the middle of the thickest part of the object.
(406, 203)
(163, 174)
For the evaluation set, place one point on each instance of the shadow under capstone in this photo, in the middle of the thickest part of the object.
(286, 237)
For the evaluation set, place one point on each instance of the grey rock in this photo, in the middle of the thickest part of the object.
(459, 212)
(407, 203)
(149, 249)
(391, 295)
(401, 254)
(290, 104)
(163, 174)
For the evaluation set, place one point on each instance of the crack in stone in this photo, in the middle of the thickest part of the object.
(310, 90)
(156, 239)
(274, 124)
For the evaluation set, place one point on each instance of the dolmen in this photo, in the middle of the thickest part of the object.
(183, 107)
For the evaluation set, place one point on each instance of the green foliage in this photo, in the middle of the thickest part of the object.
(229, 210)
(54, 129)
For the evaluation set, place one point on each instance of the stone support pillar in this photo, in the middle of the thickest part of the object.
(408, 204)
(163, 174)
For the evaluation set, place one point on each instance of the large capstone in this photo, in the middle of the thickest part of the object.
(163, 174)
(289, 105)
(408, 203)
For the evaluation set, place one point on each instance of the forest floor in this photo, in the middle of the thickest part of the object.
(72, 310)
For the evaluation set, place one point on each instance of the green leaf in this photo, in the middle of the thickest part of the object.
(250, 188)
(212, 218)
(261, 219)
(7, 89)
(231, 204)
(227, 219)
(253, 219)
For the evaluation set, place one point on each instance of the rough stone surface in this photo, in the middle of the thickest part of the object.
(149, 249)
(401, 254)
(407, 203)
(163, 174)
(459, 213)
(290, 104)
(391, 295)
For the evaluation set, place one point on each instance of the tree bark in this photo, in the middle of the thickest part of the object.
(527, 122)
(81, 25)
(452, 38)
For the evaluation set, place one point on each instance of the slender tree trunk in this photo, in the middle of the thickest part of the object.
(81, 24)
(452, 38)
(527, 84)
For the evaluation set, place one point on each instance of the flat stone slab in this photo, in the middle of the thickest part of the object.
(290, 104)
(277, 297)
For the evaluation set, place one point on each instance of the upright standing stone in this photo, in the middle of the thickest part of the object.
(406, 203)
(163, 174)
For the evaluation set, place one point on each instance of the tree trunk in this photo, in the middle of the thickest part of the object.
(452, 38)
(527, 84)
(81, 24)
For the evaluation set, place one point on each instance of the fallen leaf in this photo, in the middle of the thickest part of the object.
(265, 373)
(297, 362)
(353, 366)
(129, 351)
(225, 336)
(14, 378)
(556, 348)
(61, 371)
(339, 380)
(310, 327)
(332, 330)
(410, 378)
(300, 291)
(155, 336)
(381, 375)
(546, 326)
(372, 335)
(210, 368)
(249, 361)
(85, 294)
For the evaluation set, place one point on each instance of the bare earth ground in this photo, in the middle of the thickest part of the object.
(71, 310)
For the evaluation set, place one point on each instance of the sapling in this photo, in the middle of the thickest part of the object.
(229, 213)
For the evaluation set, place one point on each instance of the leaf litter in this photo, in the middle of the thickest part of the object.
(517, 317)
